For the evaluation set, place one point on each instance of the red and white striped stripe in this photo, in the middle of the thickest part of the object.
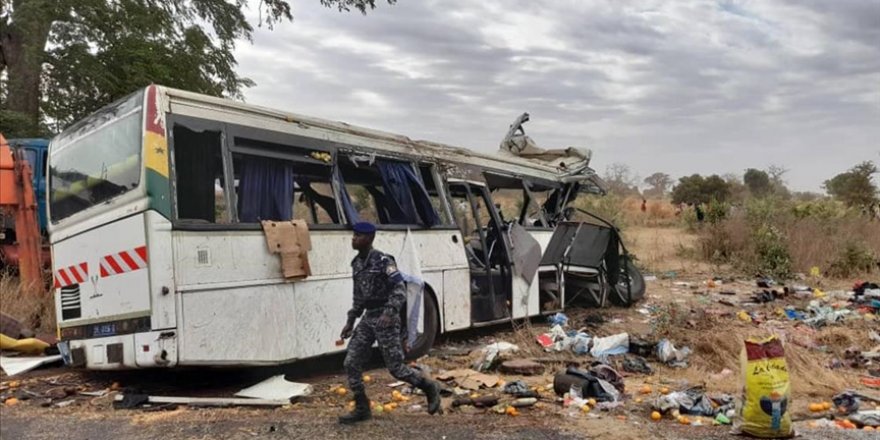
(125, 261)
(76, 274)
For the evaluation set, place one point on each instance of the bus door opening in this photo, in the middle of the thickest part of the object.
(487, 252)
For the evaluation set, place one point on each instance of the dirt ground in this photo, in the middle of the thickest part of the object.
(684, 306)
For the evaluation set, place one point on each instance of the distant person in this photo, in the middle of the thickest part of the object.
(644, 205)
(699, 211)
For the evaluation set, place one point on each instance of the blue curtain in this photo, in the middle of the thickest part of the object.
(408, 200)
(265, 190)
(348, 208)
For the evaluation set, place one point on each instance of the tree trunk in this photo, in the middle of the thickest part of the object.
(24, 42)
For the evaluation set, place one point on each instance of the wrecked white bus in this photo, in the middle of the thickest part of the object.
(160, 260)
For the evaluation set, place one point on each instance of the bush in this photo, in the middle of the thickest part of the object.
(773, 258)
(853, 259)
(778, 238)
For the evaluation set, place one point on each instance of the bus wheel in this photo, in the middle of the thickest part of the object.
(425, 340)
(619, 295)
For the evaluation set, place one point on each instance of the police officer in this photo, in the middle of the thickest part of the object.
(378, 290)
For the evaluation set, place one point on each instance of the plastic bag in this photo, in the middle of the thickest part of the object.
(668, 354)
(610, 345)
(767, 399)
(581, 344)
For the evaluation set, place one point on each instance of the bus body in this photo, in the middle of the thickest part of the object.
(159, 258)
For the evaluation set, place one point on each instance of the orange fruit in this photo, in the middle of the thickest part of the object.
(115, 386)
(585, 408)
(645, 389)
(367, 378)
(655, 416)
(826, 405)
(868, 428)
(664, 390)
(388, 407)
(341, 391)
(816, 407)
(591, 402)
(11, 401)
(14, 384)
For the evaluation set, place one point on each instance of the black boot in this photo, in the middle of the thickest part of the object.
(361, 410)
(432, 392)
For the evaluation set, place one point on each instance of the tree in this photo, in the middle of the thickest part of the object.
(777, 183)
(659, 182)
(65, 58)
(619, 180)
(699, 189)
(757, 181)
(855, 187)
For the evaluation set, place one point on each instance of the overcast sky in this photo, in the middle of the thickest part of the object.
(675, 86)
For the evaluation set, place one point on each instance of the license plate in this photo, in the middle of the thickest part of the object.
(100, 330)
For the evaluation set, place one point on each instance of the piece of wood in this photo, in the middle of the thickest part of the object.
(212, 401)
(479, 402)
(522, 366)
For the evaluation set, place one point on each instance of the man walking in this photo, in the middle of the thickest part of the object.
(378, 290)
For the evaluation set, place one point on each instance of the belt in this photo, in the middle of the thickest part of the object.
(375, 304)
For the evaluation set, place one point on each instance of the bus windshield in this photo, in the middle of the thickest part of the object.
(97, 159)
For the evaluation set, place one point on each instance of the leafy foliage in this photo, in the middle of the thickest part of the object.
(699, 189)
(97, 51)
(757, 181)
(855, 187)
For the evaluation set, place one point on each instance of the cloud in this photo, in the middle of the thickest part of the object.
(679, 87)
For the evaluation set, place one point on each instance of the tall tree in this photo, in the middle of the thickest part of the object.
(620, 180)
(660, 183)
(757, 181)
(855, 187)
(699, 189)
(65, 58)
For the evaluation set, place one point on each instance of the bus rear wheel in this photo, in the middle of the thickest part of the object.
(425, 340)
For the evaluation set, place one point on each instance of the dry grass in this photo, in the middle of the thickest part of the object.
(663, 249)
(35, 311)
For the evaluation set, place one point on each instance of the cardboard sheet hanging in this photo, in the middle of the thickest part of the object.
(291, 240)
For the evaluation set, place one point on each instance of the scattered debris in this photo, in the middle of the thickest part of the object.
(478, 402)
(522, 366)
(636, 364)
(866, 418)
(470, 379)
(18, 364)
(558, 319)
(490, 352)
(668, 354)
(524, 402)
(610, 345)
(129, 401)
(276, 388)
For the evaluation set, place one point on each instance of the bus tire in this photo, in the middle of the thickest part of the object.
(425, 340)
(618, 294)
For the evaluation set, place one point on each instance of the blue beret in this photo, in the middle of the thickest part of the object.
(364, 228)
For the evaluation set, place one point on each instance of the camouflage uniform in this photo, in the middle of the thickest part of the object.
(378, 289)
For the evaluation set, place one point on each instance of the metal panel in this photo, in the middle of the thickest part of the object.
(161, 257)
(120, 293)
(543, 238)
(238, 326)
(456, 299)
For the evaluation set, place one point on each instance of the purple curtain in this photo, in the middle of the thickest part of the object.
(265, 190)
